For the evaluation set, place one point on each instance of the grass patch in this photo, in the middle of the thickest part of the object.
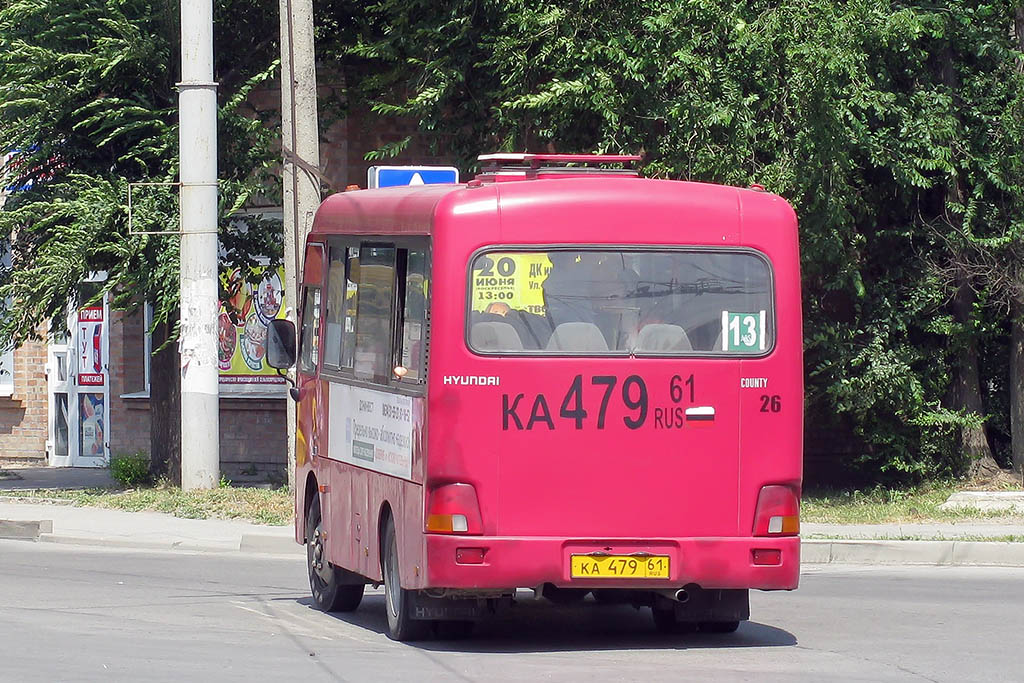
(884, 506)
(261, 506)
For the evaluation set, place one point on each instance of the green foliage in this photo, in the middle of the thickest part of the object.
(88, 105)
(893, 128)
(130, 470)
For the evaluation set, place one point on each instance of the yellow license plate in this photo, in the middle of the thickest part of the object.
(619, 566)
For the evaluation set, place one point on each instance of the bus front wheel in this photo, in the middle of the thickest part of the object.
(334, 589)
(398, 602)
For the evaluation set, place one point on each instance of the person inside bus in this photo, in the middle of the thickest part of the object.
(566, 289)
(612, 287)
(532, 329)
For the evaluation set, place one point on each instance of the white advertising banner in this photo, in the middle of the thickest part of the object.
(371, 429)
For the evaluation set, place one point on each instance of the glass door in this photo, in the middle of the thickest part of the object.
(79, 380)
(59, 373)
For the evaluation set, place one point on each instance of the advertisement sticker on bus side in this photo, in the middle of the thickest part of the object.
(371, 429)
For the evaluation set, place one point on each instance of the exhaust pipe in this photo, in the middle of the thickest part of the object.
(682, 596)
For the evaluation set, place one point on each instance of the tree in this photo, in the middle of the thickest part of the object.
(890, 127)
(88, 104)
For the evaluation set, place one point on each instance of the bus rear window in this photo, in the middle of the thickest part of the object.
(620, 302)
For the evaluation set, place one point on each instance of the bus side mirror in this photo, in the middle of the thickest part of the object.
(281, 344)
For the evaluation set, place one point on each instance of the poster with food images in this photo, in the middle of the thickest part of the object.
(242, 327)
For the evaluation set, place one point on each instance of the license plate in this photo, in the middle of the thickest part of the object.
(619, 566)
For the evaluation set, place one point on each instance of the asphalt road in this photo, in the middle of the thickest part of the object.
(91, 614)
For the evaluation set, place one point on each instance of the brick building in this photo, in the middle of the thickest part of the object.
(23, 405)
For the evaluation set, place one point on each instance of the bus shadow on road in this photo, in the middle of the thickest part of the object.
(539, 626)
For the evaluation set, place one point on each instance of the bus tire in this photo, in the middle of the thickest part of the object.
(398, 602)
(334, 589)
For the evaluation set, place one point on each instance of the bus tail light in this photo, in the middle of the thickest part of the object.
(453, 509)
(778, 511)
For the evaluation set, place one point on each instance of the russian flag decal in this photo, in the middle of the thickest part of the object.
(700, 416)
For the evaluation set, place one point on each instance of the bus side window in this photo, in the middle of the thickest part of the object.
(309, 355)
(334, 318)
(340, 323)
(348, 337)
(375, 311)
(414, 318)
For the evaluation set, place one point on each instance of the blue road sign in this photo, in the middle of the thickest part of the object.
(394, 176)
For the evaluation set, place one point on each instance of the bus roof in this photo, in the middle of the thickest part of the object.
(407, 210)
(411, 210)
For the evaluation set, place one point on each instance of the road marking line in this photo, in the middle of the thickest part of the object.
(300, 631)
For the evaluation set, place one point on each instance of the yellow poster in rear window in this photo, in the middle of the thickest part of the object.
(509, 280)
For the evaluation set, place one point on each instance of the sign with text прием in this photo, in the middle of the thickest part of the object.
(91, 363)
(398, 176)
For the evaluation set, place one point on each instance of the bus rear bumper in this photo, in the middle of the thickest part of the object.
(496, 563)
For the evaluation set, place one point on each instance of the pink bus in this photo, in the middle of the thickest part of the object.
(556, 376)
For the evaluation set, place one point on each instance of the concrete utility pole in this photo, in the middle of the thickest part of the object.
(197, 144)
(301, 148)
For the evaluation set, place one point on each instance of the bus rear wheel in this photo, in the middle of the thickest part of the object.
(333, 589)
(398, 602)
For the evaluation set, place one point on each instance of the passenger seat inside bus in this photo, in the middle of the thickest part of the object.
(494, 336)
(662, 337)
(579, 337)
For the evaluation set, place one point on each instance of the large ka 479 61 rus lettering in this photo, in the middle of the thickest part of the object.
(520, 413)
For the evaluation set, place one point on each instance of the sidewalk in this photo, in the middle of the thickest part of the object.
(930, 544)
(883, 544)
(56, 523)
(23, 478)
(147, 530)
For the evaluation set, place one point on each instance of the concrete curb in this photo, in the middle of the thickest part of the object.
(812, 551)
(248, 543)
(102, 542)
(273, 545)
(42, 531)
(18, 529)
(940, 553)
